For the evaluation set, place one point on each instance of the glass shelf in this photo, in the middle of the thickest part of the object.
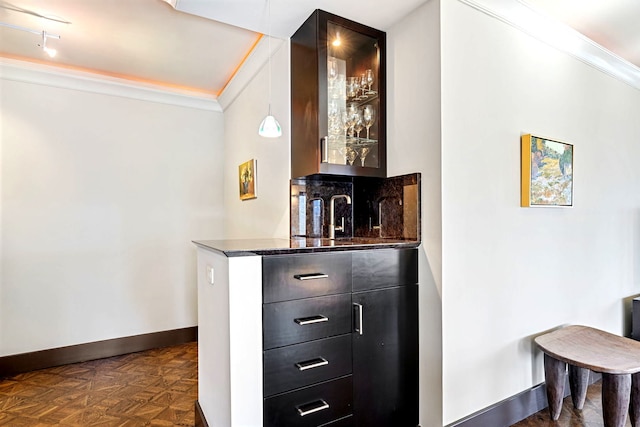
(363, 99)
(351, 141)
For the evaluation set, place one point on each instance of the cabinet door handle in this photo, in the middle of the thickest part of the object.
(324, 150)
(313, 363)
(359, 323)
(311, 320)
(311, 276)
(310, 408)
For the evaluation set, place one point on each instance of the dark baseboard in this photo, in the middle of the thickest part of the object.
(201, 421)
(25, 362)
(515, 408)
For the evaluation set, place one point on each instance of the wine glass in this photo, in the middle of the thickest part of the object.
(352, 89)
(363, 151)
(351, 155)
(358, 123)
(344, 121)
(363, 85)
(352, 118)
(370, 79)
(369, 117)
(356, 87)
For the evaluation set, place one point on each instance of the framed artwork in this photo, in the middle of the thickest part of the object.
(247, 179)
(547, 172)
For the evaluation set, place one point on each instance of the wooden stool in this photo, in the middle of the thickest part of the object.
(583, 349)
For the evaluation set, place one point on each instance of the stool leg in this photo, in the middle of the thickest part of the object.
(578, 382)
(634, 404)
(554, 372)
(616, 391)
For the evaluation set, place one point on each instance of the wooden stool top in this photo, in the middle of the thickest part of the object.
(593, 349)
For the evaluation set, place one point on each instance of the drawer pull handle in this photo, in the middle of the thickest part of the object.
(359, 322)
(310, 364)
(311, 276)
(311, 320)
(310, 408)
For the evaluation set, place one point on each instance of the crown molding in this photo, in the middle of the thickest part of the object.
(46, 75)
(519, 14)
(257, 59)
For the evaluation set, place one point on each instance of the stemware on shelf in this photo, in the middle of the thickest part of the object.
(358, 123)
(369, 77)
(352, 88)
(351, 155)
(344, 120)
(349, 111)
(363, 85)
(352, 117)
(369, 117)
(363, 150)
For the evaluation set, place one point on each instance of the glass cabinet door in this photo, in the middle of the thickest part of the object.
(353, 101)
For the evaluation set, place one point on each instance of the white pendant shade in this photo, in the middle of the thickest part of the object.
(270, 128)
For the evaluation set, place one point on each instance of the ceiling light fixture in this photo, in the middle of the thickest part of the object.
(269, 128)
(51, 52)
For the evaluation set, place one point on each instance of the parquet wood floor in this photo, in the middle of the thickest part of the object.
(151, 388)
(590, 416)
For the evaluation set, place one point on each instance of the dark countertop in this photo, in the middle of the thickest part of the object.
(246, 247)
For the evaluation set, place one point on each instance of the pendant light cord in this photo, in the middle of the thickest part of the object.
(269, 40)
(269, 128)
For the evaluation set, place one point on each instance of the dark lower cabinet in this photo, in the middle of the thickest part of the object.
(385, 357)
(344, 360)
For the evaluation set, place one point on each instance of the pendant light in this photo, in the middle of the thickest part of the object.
(269, 128)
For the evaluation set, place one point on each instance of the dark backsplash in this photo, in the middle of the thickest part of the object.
(381, 207)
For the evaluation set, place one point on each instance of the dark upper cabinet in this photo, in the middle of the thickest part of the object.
(338, 98)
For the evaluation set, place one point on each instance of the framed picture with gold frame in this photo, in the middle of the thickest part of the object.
(247, 174)
(547, 172)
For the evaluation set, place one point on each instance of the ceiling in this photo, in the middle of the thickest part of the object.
(612, 24)
(139, 40)
(197, 45)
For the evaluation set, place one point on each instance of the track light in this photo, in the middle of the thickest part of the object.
(51, 52)
(45, 36)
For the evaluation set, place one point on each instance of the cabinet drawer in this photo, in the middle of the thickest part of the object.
(293, 322)
(290, 277)
(311, 406)
(300, 365)
(384, 268)
(342, 422)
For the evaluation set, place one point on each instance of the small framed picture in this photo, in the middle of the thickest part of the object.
(247, 174)
(547, 172)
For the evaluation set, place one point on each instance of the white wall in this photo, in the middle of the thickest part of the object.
(267, 215)
(100, 198)
(414, 146)
(510, 273)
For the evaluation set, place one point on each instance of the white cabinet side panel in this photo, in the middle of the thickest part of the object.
(213, 338)
(245, 318)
